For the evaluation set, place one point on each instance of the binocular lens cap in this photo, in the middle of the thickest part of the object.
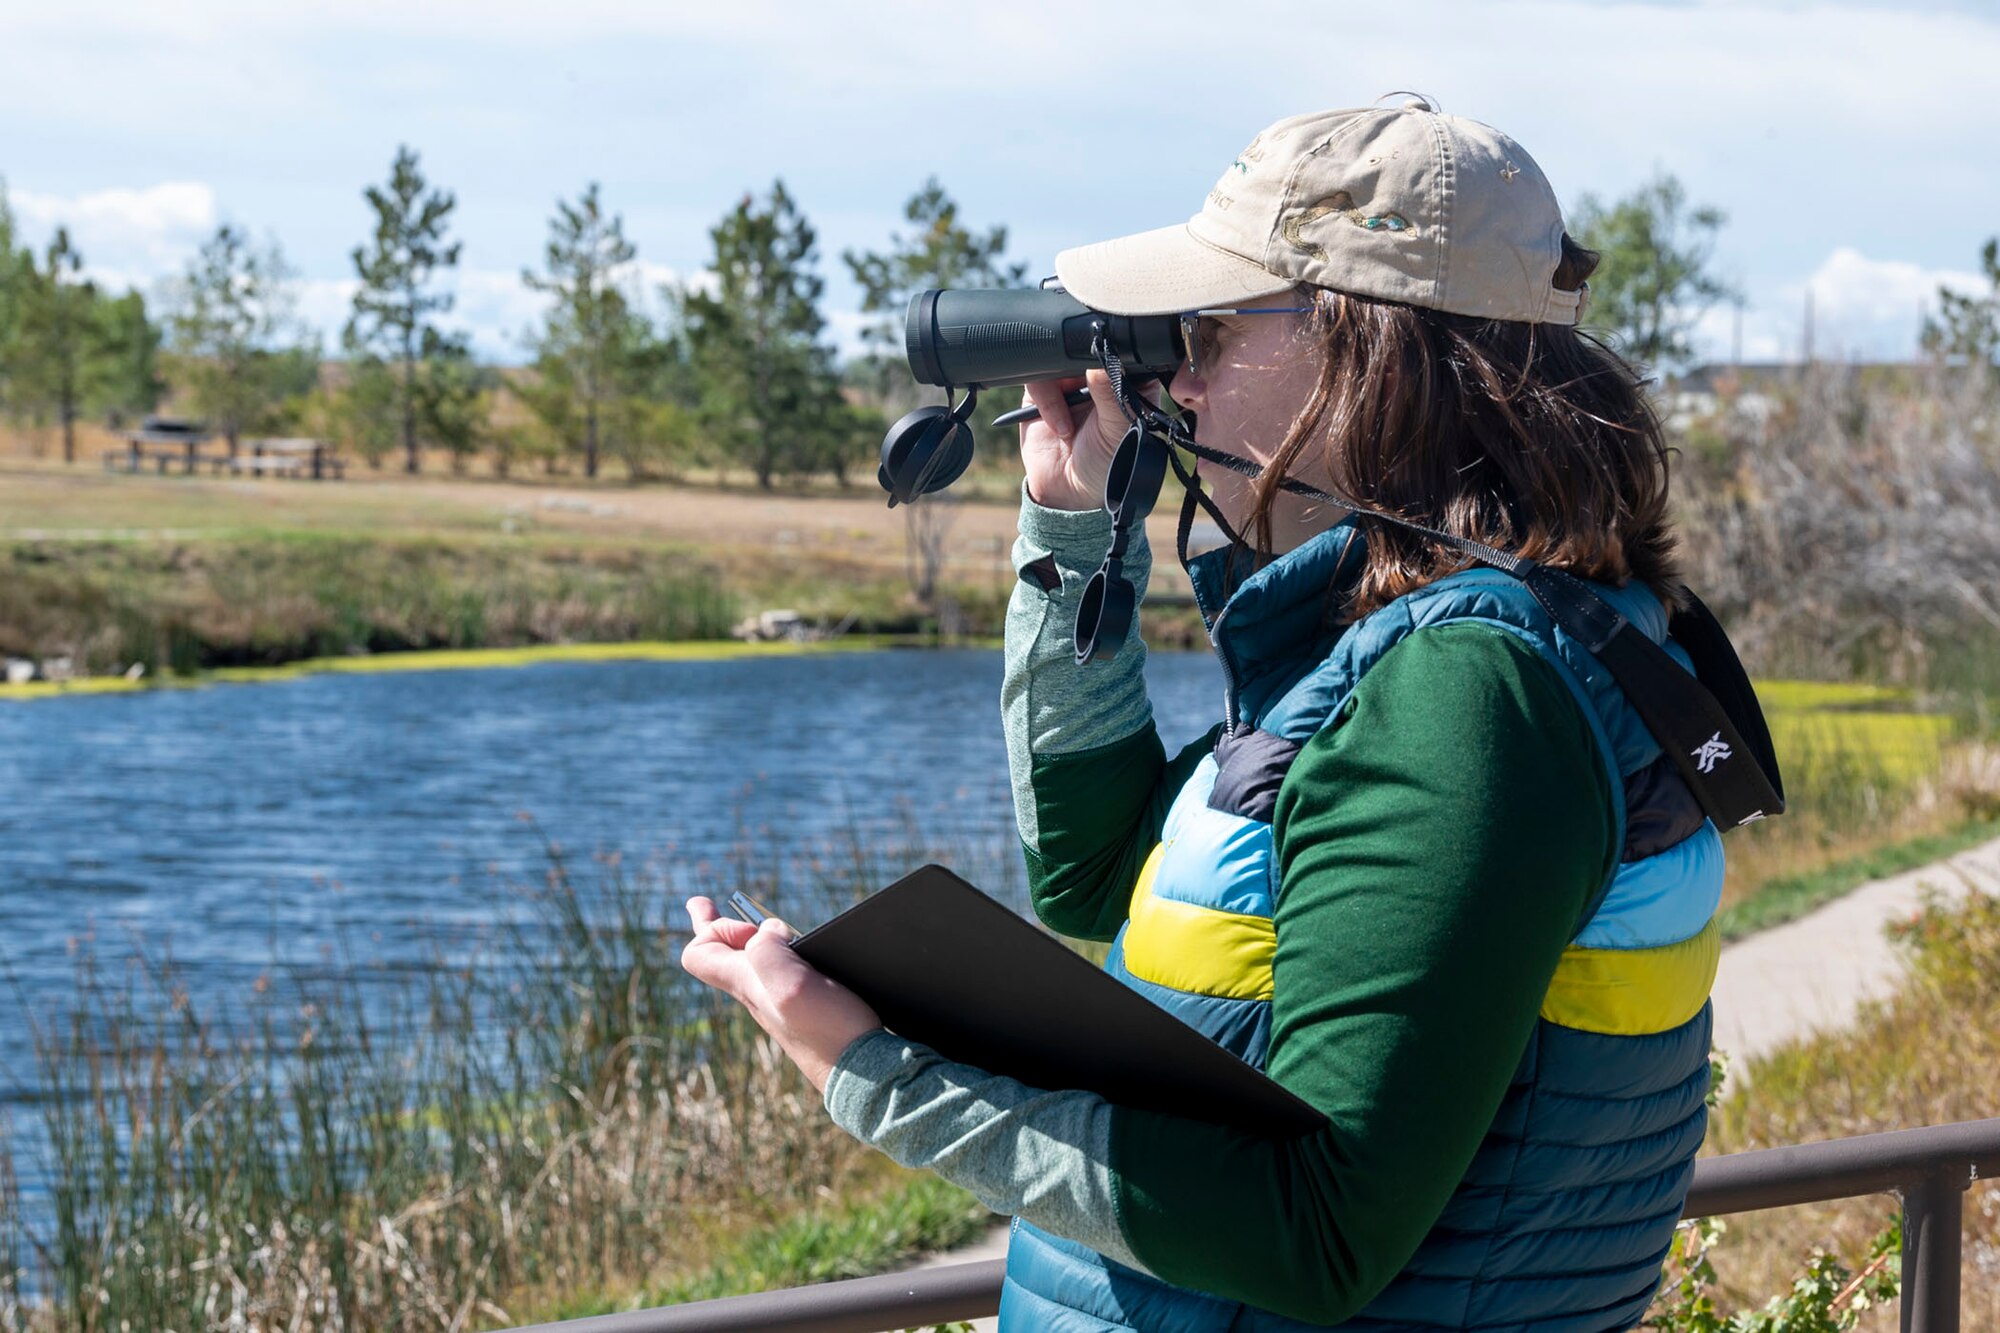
(926, 451)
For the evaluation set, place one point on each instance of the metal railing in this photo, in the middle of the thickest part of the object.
(1928, 1169)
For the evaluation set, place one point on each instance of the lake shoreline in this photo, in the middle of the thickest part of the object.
(481, 659)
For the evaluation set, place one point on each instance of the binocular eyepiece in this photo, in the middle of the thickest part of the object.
(980, 338)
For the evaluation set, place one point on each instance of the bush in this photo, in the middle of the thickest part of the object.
(1856, 531)
(265, 601)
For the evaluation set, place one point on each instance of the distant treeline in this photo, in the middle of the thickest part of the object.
(733, 367)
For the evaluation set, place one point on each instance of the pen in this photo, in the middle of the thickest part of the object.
(747, 907)
(1019, 414)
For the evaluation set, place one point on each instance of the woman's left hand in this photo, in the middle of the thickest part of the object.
(811, 1016)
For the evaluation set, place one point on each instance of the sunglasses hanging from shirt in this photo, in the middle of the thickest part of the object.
(1709, 734)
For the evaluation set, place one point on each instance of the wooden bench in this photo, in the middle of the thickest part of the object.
(296, 457)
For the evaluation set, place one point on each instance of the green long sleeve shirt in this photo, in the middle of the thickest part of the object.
(1437, 842)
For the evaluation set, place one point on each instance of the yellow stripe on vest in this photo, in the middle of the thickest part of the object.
(1197, 949)
(1634, 992)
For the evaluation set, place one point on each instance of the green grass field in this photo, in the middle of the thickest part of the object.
(1873, 777)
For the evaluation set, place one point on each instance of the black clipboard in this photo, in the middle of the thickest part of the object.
(947, 966)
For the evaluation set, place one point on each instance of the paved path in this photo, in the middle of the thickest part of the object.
(1813, 974)
(1809, 975)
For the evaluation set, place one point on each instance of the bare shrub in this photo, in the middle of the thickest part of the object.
(1857, 529)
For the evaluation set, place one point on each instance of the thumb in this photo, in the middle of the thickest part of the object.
(776, 929)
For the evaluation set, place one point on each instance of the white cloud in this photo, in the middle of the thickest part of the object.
(1714, 336)
(500, 313)
(497, 310)
(642, 281)
(148, 231)
(1862, 309)
(1868, 307)
(324, 304)
(492, 307)
(678, 108)
(143, 237)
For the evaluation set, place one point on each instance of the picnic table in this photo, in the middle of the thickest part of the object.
(166, 442)
(163, 441)
(295, 456)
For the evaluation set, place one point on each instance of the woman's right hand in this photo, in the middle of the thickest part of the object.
(1068, 452)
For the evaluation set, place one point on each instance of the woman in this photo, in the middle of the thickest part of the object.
(1431, 873)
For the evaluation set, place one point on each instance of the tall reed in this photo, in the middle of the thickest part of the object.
(561, 1111)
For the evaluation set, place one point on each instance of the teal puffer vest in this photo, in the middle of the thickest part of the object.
(1565, 1215)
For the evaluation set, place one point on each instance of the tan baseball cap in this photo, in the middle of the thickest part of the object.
(1401, 203)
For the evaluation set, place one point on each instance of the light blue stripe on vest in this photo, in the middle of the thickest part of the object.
(1661, 899)
(1215, 859)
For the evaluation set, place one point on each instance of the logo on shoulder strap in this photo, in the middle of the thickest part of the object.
(1712, 752)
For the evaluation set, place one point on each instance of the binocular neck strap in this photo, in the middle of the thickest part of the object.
(1146, 417)
(1700, 732)
(1141, 412)
(1193, 494)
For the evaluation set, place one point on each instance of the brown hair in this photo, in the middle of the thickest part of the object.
(1536, 439)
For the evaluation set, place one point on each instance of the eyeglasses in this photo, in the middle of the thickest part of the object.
(1199, 343)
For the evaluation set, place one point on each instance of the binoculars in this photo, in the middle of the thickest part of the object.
(980, 338)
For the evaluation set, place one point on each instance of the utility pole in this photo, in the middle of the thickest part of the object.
(1809, 327)
(1736, 337)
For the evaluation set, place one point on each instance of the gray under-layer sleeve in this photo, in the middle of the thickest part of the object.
(1024, 1152)
(1049, 704)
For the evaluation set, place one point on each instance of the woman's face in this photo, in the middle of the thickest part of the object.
(1257, 372)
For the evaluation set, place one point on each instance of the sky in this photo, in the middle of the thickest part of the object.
(1852, 145)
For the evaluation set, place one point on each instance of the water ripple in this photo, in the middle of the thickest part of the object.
(251, 827)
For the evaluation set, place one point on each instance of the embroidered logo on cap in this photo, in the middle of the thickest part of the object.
(1342, 203)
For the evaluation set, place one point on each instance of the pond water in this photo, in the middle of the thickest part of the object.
(244, 827)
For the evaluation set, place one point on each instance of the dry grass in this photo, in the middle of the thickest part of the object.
(1929, 1056)
(801, 543)
(1864, 768)
(109, 570)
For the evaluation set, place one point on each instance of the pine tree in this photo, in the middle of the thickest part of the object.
(1968, 327)
(392, 310)
(124, 378)
(939, 252)
(367, 408)
(453, 402)
(15, 267)
(54, 341)
(591, 338)
(1652, 283)
(769, 390)
(66, 349)
(232, 327)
